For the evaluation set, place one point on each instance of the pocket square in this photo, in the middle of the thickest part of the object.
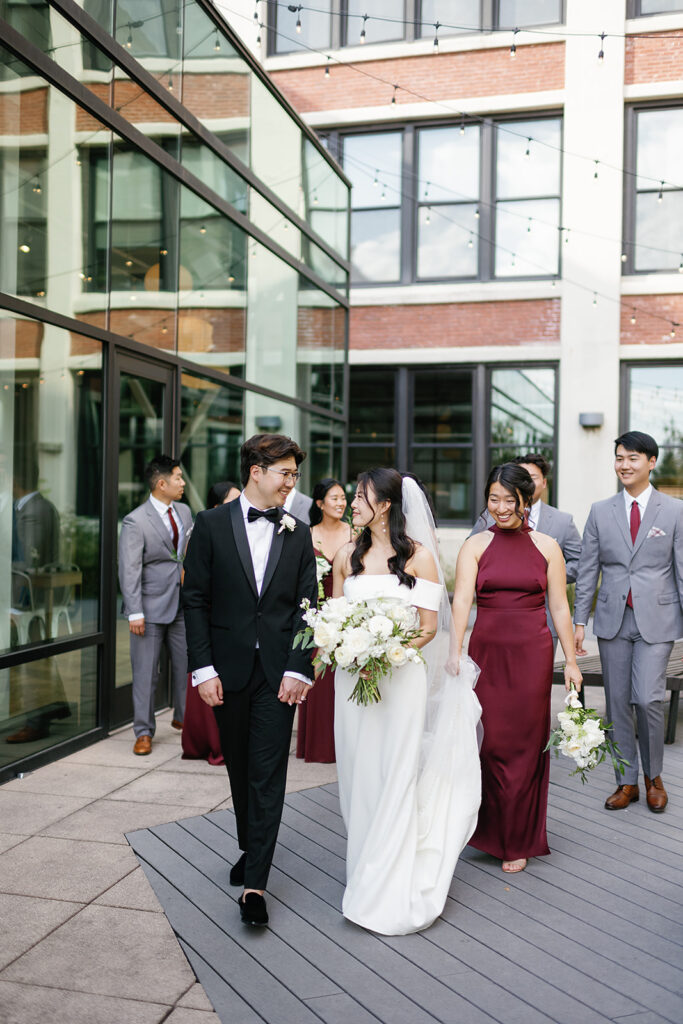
(656, 532)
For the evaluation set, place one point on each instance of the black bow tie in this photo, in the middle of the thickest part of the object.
(255, 513)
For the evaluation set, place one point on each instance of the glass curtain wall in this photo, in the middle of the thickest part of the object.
(154, 296)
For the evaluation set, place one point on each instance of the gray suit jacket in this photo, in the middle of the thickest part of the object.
(652, 569)
(149, 570)
(558, 525)
(300, 506)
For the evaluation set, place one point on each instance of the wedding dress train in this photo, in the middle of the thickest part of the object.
(409, 799)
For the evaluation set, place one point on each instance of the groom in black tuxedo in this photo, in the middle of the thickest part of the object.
(248, 567)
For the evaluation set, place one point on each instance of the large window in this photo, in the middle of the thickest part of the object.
(654, 403)
(640, 8)
(455, 201)
(422, 420)
(654, 213)
(336, 23)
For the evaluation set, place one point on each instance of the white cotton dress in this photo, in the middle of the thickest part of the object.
(408, 810)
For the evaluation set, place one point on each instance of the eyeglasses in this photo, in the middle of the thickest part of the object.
(286, 474)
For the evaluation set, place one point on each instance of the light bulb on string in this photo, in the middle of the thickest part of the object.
(477, 214)
(170, 82)
(513, 45)
(428, 215)
(437, 26)
(36, 187)
(566, 236)
(660, 196)
(376, 181)
(393, 98)
(601, 54)
(256, 11)
(633, 315)
(595, 299)
(680, 265)
(462, 124)
(528, 227)
(512, 261)
(129, 40)
(217, 43)
(327, 68)
(202, 230)
(595, 172)
(624, 257)
(362, 31)
(384, 194)
(258, 37)
(470, 241)
(426, 189)
(672, 332)
(527, 151)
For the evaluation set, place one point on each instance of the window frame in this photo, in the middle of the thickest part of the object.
(487, 201)
(633, 10)
(629, 241)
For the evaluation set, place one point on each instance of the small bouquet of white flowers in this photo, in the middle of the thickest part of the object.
(583, 736)
(368, 638)
(322, 569)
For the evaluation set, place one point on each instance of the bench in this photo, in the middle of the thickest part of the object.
(592, 676)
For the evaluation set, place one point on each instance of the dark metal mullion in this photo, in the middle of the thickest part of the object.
(488, 10)
(43, 649)
(410, 17)
(624, 397)
(487, 155)
(135, 348)
(481, 430)
(402, 417)
(629, 198)
(408, 242)
(106, 676)
(336, 25)
(120, 56)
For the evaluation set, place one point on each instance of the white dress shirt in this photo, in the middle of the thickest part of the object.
(260, 536)
(534, 513)
(162, 508)
(642, 500)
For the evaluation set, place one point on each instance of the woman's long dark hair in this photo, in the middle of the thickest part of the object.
(514, 479)
(319, 494)
(217, 492)
(386, 484)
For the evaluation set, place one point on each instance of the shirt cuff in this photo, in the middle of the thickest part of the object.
(136, 617)
(202, 674)
(302, 679)
(582, 624)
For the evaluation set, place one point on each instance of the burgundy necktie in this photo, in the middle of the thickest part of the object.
(174, 529)
(635, 526)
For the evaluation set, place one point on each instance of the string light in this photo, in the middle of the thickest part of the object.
(202, 230)
(470, 241)
(258, 37)
(674, 325)
(362, 31)
(462, 124)
(680, 265)
(624, 257)
(296, 9)
(426, 189)
(429, 215)
(327, 67)
(376, 181)
(595, 172)
(595, 299)
(393, 98)
(24, 248)
(660, 197)
(217, 43)
(437, 26)
(633, 315)
(476, 213)
(601, 55)
(528, 227)
(513, 45)
(36, 187)
(129, 40)
(527, 151)
(170, 81)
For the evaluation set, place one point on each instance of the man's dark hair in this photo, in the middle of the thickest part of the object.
(160, 465)
(637, 441)
(265, 450)
(534, 459)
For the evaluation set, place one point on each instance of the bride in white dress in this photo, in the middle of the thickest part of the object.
(408, 767)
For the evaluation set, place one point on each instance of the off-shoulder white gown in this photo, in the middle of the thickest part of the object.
(407, 818)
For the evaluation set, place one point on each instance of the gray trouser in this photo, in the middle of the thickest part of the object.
(144, 655)
(635, 678)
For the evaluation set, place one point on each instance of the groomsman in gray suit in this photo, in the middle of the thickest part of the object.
(298, 504)
(544, 518)
(635, 540)
(151, 548)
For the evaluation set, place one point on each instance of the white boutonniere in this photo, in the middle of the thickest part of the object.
(287, 523)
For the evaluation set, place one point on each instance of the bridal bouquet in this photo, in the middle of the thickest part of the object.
(368, 638)
(582, 735)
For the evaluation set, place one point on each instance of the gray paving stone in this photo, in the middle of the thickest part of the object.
(118, 751)
(30, 1004)
(176, 788)
(194, 766)
(107, 820)
(74, 779)
(196, 999)
(133, 892)
(26, 920)
(63, 869)
(110, 952)
(7, 841)
(26, 813)
(185, 1015)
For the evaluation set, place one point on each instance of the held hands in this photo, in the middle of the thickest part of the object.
(211, 692)
(572, 677)
(292, 691)
(137, 626)
(453, 663)
(579, 635)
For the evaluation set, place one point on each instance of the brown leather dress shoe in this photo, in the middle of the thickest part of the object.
(176, 723)
(622, 797)
(143, 745)
(657, 798)
(27, 735)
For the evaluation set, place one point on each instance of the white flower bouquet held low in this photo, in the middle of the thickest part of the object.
(322, 569)
(583, 736)
(367, 638)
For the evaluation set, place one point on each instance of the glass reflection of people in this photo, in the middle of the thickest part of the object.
(35, 521)
(200, 739)
(315, 730)
(511, 567)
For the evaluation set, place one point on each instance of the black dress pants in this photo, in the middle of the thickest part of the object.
(255, 731)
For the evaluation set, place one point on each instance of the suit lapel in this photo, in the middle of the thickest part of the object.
(273, 555)
(648, 519)
(545, 519)
(155, 519)
(241, 543)
(619, 510)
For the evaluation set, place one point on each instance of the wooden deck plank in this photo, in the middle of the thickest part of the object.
(590, 935)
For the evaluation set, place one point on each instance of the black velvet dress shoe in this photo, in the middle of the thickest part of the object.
(253, 909)
(237, 871)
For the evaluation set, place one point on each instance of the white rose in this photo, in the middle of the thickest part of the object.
(381, 626)
(336, 609)
(397, 654)
(325, 635)
(358, 641)
(343, 656)
(572, 699)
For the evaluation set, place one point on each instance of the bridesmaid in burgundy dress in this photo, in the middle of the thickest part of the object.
(511, 567)
(199, 738)
(315, 730)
